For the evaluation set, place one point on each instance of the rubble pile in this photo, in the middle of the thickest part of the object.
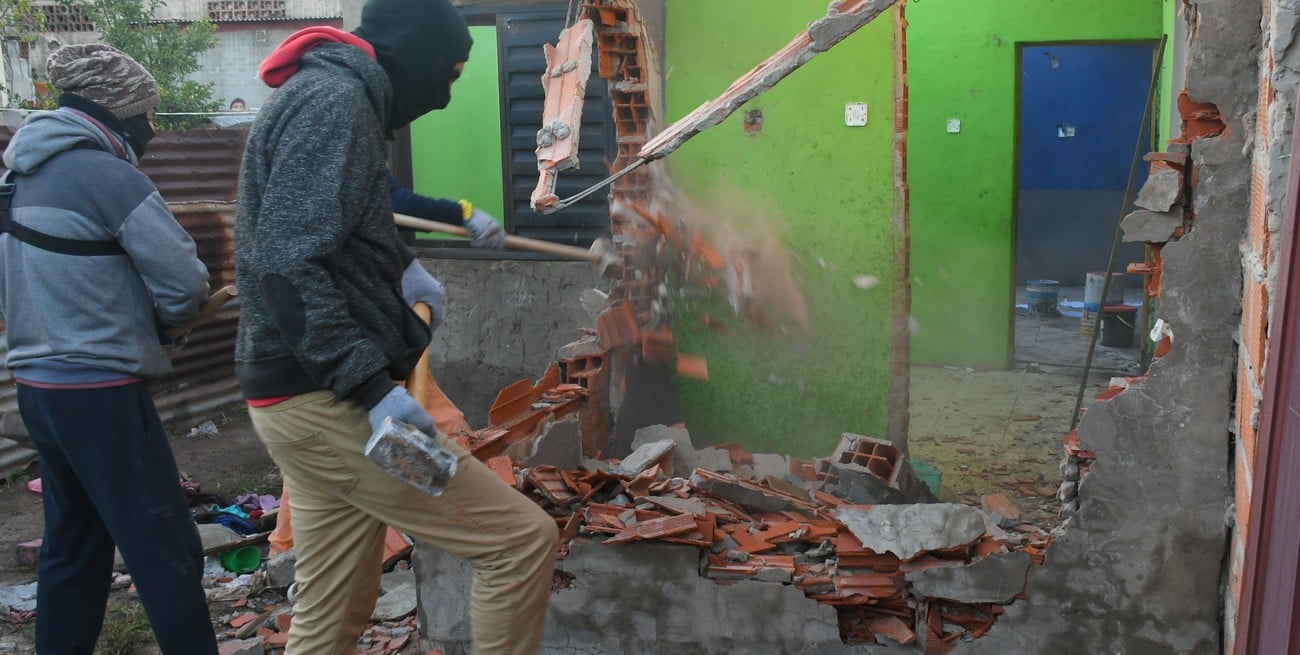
(857, 530)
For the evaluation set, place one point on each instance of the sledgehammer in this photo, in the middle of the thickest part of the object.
(601, 253)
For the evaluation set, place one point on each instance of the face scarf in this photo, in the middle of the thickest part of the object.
(138, 133)
(134, 130)
(418, 43)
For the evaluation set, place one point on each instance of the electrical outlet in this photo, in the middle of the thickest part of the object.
(954, 125)
(855, 114)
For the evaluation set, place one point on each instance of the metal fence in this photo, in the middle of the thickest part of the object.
(196, 172)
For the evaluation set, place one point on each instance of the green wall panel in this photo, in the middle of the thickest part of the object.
(456, 152)
(962, 64)
(824, 189)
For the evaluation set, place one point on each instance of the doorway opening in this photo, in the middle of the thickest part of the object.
(1079, 108)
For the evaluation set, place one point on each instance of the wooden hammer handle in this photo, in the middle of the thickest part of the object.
(211, 306)
(512, 241)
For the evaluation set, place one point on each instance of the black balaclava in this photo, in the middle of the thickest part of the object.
(418, 43)
(138, 133)
(134, 130)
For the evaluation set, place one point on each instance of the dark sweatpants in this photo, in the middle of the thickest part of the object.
(108, 476)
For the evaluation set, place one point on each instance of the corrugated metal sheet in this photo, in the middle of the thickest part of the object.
(196, 172)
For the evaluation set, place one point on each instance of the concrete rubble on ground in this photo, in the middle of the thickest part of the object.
(896, 566)
(257, 622)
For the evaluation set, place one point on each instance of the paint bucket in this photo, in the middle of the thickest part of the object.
(928, 473)
(244, 559)
(1043, 297)
(1117, 325)
(1092, 300)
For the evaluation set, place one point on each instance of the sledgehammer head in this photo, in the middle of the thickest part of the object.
(606, 257)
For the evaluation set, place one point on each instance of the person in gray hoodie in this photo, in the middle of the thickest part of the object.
(93, 270)
(326, 330)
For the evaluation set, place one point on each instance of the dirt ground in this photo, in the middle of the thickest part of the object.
(228, 464)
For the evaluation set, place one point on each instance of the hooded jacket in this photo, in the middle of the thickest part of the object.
(318, 258)
(86, 319)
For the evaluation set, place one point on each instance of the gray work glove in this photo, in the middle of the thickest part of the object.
(484, 230)
(419, 286)
(402, 407)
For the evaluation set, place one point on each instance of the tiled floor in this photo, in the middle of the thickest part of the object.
(1000, 431)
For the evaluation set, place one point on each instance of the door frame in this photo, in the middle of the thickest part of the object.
(1152, 130)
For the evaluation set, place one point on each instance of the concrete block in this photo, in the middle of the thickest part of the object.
(1145, 225)
(1162, 191)
(280, 569)
(909, 530)
(241, 647)
(993, 579)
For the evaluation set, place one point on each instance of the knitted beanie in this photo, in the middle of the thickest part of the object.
(105, 76)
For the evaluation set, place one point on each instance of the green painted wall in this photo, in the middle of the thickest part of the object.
(826, 190)
(1167, 92)
(962, 64)
(456, 152)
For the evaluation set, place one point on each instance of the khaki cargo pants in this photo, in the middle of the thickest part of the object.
(341, 503)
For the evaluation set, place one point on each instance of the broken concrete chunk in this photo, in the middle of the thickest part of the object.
(280, 569)
(711, 459)
(909, 530)
(398, 596)
(1001, 509)
(559, 444)
(993, 579)
(251, 646)
(1161, 191)
(646, 456)
(588, 346)
(650, 434)
(692, 506)
(745, 493)
(776, 466)
(1157, 227)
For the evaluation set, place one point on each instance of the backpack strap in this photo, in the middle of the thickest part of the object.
(77, 247)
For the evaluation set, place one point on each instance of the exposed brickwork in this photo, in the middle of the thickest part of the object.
(1259, 273)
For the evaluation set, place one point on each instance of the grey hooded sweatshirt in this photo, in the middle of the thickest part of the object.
(74, 319)
(318, 259)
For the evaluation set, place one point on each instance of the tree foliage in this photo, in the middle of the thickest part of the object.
(168, 50)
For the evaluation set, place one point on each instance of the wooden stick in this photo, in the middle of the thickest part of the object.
(211, 306)
(512, 241)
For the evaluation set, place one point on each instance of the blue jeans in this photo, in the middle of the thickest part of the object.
(108, 477)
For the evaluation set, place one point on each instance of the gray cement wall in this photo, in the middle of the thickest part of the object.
(506, 320)
(643, 599)
(1139, 569)
(1063, 234)
(232, 65)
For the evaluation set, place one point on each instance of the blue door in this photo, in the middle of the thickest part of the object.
(1080, 110)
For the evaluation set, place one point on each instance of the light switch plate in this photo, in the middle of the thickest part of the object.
(855, 114)
(954, 125)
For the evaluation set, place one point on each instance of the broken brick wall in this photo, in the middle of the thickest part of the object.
(1271, 133)
(786, 168)
(506, 320)
(1139, 568)
(962, 65)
